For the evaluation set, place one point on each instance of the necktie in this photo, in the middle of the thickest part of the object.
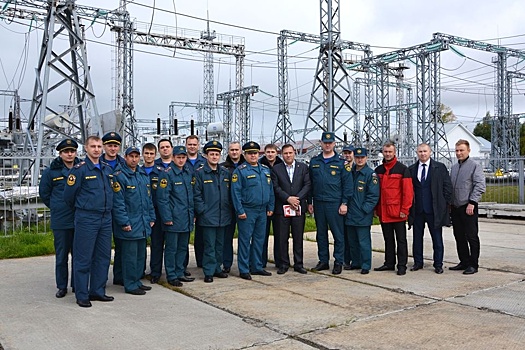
(423, 173)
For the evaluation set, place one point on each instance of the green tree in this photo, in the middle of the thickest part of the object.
(484, 129)
(447, 115)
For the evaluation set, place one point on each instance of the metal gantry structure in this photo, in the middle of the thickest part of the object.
(243, 130)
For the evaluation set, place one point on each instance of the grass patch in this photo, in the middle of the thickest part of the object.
(501, 194)
(27, 243)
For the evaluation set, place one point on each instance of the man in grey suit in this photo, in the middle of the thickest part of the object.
(291, 183)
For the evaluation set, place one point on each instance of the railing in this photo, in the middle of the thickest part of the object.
(20, 206)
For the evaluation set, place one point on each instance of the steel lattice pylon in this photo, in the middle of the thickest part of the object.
(331, 95)
(242, 96)
(208, 84)
(56, 67)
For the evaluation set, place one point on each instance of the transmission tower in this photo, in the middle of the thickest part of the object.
(243, 131)
(330, 100)
(57, 67)
(208, 84)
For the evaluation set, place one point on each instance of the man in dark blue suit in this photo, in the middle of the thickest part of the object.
(432, 195)
(291, 184)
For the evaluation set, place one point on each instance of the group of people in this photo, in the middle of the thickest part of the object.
(107, 195)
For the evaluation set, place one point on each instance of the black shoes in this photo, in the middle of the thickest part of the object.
(118, 283)
(384, 268)
(175, 283)
(470, 270)
(83, 303)
(154, 279)
(61, 293)
(226, 269)
(338, 268)
(416, 267)
(458, 267)
(245, 276)
(101, 298)
(321, 266)
(364, 272)
(143, 287)
(347, 266)
(300, 270)
(401, 271)
(137, 291)
(220, 275)
(186, 279)
(187, 273)
(262, 273)
(282, 270)
(438, 270)
(208, 279)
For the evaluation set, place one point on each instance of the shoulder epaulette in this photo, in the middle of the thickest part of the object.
(167, 170)
(80, 164)
(105, 163)
(265, 166)
(116, 173)
(242, 166)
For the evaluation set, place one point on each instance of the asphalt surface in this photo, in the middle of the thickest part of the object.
(421, 310)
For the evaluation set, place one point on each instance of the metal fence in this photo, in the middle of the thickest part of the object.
(20, 206)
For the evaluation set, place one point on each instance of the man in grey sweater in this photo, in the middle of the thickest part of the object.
(468, 185)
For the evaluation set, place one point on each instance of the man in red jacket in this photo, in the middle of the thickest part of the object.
(396, 195)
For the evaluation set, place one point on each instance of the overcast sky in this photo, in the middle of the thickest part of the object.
(386, 25)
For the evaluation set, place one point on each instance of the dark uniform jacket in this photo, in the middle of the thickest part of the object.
(200, 161)
(212, 197)
(284, 188)
(331, 180)
(230, 165)
(366, 194)
(441, 189)
(252, 188)
(154, 179)
(120, 161)
(175, 199)
(132, 203)
(90, 188)
(51, 190)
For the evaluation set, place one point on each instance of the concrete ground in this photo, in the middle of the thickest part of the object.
(421, 310)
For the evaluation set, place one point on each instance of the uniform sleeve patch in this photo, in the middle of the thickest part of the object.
(71, 180)
(116, 186)
(163, 183)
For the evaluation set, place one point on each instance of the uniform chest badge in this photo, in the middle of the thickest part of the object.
(235, 177)
(71, 180)
(333, 172)
(193, 180)
(163, 183)
(269, 180)
(154, 185)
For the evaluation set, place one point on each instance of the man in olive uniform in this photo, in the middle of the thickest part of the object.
(212, 199)
(51, 190)
(253, 200)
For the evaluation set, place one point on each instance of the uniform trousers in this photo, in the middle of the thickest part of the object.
(327, 215)
(435, 233)
(360, 246)
(92, 247)
(348, 254)
(63, 241)
(133, 257)
(251, 239)
(271, 221)
(117, 261)
(198, 245)
(213, 238)
(175, 253)
(156, 247)
(466, 229)
(395, 232)
(228, 244)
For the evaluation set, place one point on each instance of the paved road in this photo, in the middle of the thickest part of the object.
(421, 310)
